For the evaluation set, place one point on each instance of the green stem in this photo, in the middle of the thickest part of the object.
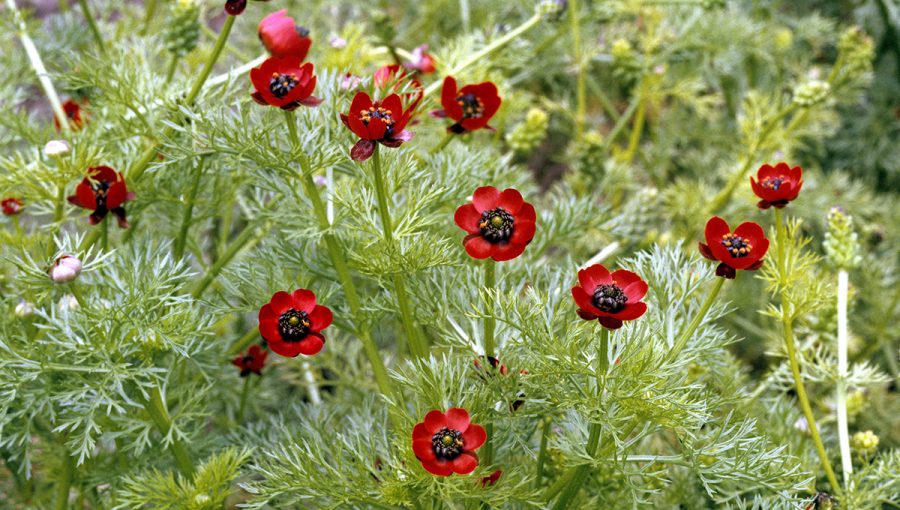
(787, 323)
(214, 56)
(65, 481)
(620, 124)
(244, 393)
(840, 401)
(487, 50)
(580, 474)
(86, 12)
(144, 161)
(149, 11)
(188, 213)
(170, 70)
(156, 408)
(104, 234)
(73, 287)
(248, 238)
(542, 452)
(336, 253)
(443, 143)
(581, 80)
(636, 129)
(604, 352)
(416, 343)
(682, 340)
(244, 342)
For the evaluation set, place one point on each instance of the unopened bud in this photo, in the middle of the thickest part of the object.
(24, 309)
(65, 269)
(56, 148)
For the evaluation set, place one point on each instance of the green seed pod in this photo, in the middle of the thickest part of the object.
(841, 242)
(529, 134)
(864, 442)
(183, 28)
(811, 93)
(856, 52)
(588, 157)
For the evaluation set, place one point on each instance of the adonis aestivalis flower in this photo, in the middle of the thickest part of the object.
(75, 115)
(445, 443)
(285, 82)
(375, 122)
(610, 298)
(777, 185)
(11, 206)
(252, 361)
(472, 106)
(281, 35)
(742, 249)
(103, 191)
(500, 224)
(292, 323)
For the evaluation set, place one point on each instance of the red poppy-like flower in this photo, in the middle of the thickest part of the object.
(253, 361)
(283, 37)
(611, 298)
(103, 191)
(284, 82)
(291, 323)
(471, 106)
(236, 7)
(74, 115)
(422, 62)
(11, 206)
(377, 122)
(743, 249)
(445, 443)
(500, 224)
(777, 184)
(494, 363)
(491, 479)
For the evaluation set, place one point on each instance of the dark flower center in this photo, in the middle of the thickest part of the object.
(737, 246)
(293, 325)
(496, 225)
(447, 443)
(471, 105)
(101, 188)
(609, 298)
(247, 360)
(382, 113)
(282, 83)
(301, 31)
(774, 182)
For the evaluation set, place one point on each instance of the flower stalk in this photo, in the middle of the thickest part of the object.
(490, 277)
(92, 24)
(683, 338)
(841, 391)
(187, 215)
(65, 480)
(156, 408)
(581, 70)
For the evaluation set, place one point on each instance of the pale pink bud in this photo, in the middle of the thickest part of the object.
(56, 148)
(65, 269)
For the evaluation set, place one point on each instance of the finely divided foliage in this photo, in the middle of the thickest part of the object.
(444, 254)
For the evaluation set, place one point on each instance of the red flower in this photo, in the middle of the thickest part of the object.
(611, 298)
(500, 225)
(445, 443)
(422, 61)
(377, 122)
(253, 361)
(491, 479)
(392, 74)
(11, 206)
(103, 191)
(471, 106)
(291, 323)
(236, 7)
(74, 115)
(743, 249)
(283, 37)
(495, 364)
(777, 184)
(284, 82)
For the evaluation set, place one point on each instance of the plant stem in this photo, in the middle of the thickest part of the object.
(170, 71)
(416, 342)
(490, 271)
(841, 393)
(604, 352)
(243, 342)
(542, 452)
(146, 158)
(37, 64)
(188, 213)
(683, 338)
(243, 405)
(580, 473)
(95, 31)
(636, 129)
(787, 323)
(149, 11)
(311, 386)
(77, 293)
(336, 253)
(156, 408)
(213, 57)
(581, 80)
(487, 50)
(248, 238)
(443, 143)
(104, 234)
(65, 481)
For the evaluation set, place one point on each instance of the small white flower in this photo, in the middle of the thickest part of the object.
(337, 42)
(320, 180)
(56, 148)
(65, 269)
(24, 309)
(802, 425)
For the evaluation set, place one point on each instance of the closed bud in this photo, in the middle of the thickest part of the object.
(56, 148)
(65, 269)
(24, 309)
(841, 242)
(811, 93)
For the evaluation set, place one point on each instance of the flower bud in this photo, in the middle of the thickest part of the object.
(11, 206)
(24, 309)
(841, 242)
(65, 269)
(802, 425)
(56, 148)
(864, 442)
(811, 93)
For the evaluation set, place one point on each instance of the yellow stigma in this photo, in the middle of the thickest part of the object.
(293, 321)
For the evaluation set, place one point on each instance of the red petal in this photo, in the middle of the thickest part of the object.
(311, 345)
(269, 330)
(594, 276)
(716, 227)
(467, 218)
(361, 101)
(511, 200)
(457, 418)
(464, 464)
(635, 291)
(424, 449)
(286, 349)
(610, 322)
(523, 232)
(281, 301)
(751, 231)
(585, 302)
(474, 437)
(508, 251)
(376, 129)
(485, 198)
(362, 150)
(624, 278)
(706, 251)
(85, 195)
(631, 311)
(304, 300)
(588, 316)
(320, 318)
(439, 468)
(116, 195)
(448, 99)
(393, 103)
(477, 247)
(420, 431)
(527, 213)
(435, 421)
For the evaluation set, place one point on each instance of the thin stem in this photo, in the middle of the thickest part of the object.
(487, 50)
(65, 481)
(604, 351)
(149, 11)
(490, 277)
(248, 238)
(170, 70)
(443, 143)
(682, 340)
(581, 472)
(841, 392)
(38, 65)
(244, 342)
(416, 343)
(73, 287)
(243, 405)
(213, 57)
(581, 78)
(104, 234)
(620, 124)
(156, 408)
(95, 31)
(787, 324)
(144, 161)
(636, 129)
(312, 386)
(188, 213)
(542, 452)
